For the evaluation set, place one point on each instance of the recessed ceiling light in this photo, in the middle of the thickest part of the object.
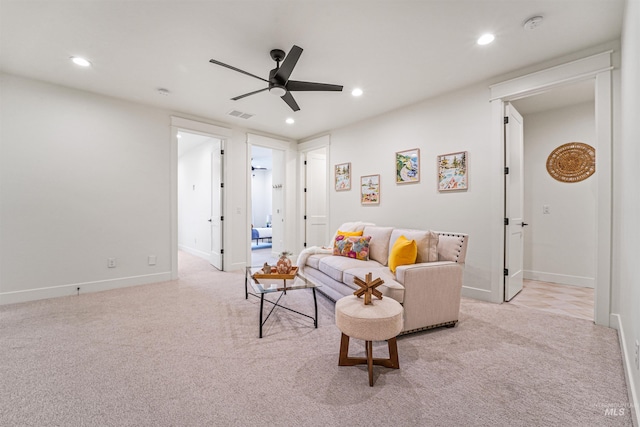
(290, 121)
(80, 61)
(356, 92)
(486, 39)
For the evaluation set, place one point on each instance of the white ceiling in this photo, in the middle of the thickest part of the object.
(559, 97)
(398, 51)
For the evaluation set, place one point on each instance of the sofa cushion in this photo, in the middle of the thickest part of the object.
(314, 260)
(427, 242)
(333, 266)
(390, 288)
(403, 252)
(379, 243)
(352, 246)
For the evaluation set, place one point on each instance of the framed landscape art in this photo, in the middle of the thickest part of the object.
(408, 166)
(370, 189)
(343, 176)
(452, 171)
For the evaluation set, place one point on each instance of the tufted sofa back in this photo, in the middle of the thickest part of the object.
(452, 246)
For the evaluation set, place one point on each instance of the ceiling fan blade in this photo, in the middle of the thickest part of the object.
(294, 85)
(288, 98)
(213, 61)
(249, 94)
(287, 65)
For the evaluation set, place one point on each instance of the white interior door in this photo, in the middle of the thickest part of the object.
(216, 257)
(278, 178)
(316, 209)
(514, 202)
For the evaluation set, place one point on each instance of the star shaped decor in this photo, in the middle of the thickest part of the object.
(368, 287)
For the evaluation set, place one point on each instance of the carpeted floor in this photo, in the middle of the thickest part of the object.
(187, 353)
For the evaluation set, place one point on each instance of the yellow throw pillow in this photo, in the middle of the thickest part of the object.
(404, 252)
(350, 233)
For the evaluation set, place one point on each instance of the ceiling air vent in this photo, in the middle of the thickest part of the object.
(236, 113)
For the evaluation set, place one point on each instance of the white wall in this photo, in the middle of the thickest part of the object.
(459, 121)
(194, 200)
(261, 196)
(626, 198)
(84, 178)
(559, 246)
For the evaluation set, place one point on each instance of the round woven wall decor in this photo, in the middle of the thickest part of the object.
(572, 162)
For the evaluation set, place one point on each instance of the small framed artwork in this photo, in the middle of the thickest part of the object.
(343, 176)
(408, 166)
(370, 189)
(452, 171)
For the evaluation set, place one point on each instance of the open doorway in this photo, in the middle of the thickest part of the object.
(560, 243)
(199, 177)
(262, 192)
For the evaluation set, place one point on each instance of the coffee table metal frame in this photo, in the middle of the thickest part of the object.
(260, 289)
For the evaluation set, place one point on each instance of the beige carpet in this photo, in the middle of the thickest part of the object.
(187, 353)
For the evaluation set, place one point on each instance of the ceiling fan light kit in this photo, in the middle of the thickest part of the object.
(278, 82)
(277, 90)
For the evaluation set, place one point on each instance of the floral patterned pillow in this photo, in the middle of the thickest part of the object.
(352, 246)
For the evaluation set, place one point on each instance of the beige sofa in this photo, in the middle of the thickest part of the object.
(429, 290)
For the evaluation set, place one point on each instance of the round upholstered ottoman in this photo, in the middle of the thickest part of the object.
(379, 321)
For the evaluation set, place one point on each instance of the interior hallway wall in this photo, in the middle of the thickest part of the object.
(84, 178)
(559, 245)
(626, 199)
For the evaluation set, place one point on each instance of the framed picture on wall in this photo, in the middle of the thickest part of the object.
(408, 166)
(370, 189)
(452, 171)
(343, 176)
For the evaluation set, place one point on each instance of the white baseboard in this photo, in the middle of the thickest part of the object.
(195, 252)
(627, 361)
(563, 279)
(72, 289)
(476, 293)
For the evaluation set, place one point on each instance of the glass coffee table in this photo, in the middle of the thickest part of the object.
(263, 284)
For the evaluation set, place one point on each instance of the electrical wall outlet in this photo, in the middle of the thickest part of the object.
(637, 355)
(111, 262)
(546, 209)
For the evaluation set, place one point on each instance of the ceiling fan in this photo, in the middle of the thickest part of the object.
(279, 83)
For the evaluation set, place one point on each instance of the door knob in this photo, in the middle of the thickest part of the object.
(524, 224)
(209, 220)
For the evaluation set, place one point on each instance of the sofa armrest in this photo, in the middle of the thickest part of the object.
(432, 293)
(412, 269)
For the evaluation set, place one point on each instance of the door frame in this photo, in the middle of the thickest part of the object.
(600, 68)
(323, 141)
(223, 134)
(288, 187)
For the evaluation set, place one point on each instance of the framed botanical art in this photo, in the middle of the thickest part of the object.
(452, 171)
(343, 176)
(408, 166)
(370, 189)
